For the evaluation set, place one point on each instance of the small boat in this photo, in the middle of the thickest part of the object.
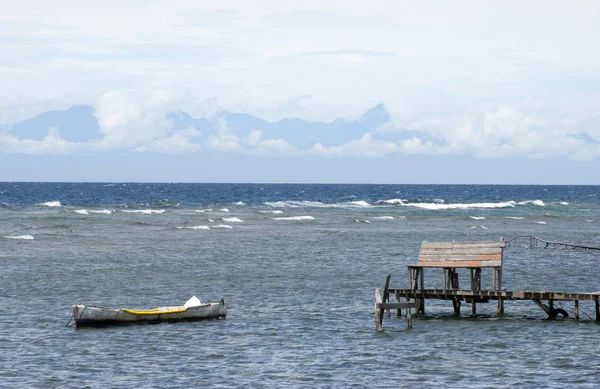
(193, 309)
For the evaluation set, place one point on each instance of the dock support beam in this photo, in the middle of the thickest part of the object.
(549, 309)
(383, 304)
(597, 303)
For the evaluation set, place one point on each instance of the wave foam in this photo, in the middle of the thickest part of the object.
(81, 212)
(232, 220)
(294, 204)
(222, 226)
(52, 204)
(20, 237)
(438, 206)
(145, 211)
(477, 217)
(276, 212)
(362, 204)
(540, 222)
(383, 218)
(539, 203)
(194, 228)
(515, 217)
(393, 201)
(102, 211)
(294, 218)
(204, 210)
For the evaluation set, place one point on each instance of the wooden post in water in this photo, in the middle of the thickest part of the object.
(576, 310)
(386, 293)
(597, 310)
(398, 311)
(408, 315)
(378, 313)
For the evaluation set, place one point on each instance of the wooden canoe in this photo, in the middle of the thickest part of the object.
(193, 309)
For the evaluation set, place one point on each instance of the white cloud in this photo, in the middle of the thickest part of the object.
(364, 146)
(224, 140)
(257, 145)
(131, 120)
(52, 143)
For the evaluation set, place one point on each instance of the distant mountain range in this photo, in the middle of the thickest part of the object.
(79, 124)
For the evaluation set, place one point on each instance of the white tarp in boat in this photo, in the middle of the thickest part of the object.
(192, 302)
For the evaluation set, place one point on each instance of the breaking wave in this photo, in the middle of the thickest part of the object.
(20, 237)
(232, 220)
(52, 204)
(539, 203)
(145, 211)
(294, 218)
(194, 228)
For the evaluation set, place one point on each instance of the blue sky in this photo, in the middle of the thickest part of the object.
(472, 92)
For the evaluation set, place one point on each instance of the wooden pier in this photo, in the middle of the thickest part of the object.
(475, 256)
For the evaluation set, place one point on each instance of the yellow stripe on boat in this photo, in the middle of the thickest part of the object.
(153, 311)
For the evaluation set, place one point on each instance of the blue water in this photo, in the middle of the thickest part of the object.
(298, 265)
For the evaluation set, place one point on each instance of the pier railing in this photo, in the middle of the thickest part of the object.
(535, 242)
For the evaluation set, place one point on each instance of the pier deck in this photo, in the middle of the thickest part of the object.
(487, 295)
(474, 257)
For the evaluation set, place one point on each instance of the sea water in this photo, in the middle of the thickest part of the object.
(298, 266)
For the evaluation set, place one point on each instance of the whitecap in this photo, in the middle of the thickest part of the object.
(103, 211)
(222, 226)
(294, 218)
(540, 222)
(211, 221)
(514, 217)
(477, 217)
(239, 203)
(295, 204)
(383, 218)
(194, 228)
(393, 201)
(145, 211)
(204, 210)
(437, 206)
(232, 220)
(52, 204)
(224, 209)
(276, 211)
(20, 237)
(81, 211)
(563, 203)
(539, 203)
(362, 204)
(366, 221)
(484, 227)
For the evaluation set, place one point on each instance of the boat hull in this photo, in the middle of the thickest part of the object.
(86, 315)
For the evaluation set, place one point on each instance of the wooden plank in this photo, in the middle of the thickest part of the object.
(462, 251)
(470, 257)
(446, 245)
(399, 305)
(448, 264)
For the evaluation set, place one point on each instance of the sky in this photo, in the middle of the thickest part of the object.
(482, 93)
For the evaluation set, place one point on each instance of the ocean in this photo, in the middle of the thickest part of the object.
(298, 265)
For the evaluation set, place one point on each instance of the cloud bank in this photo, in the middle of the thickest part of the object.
(147, 124)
